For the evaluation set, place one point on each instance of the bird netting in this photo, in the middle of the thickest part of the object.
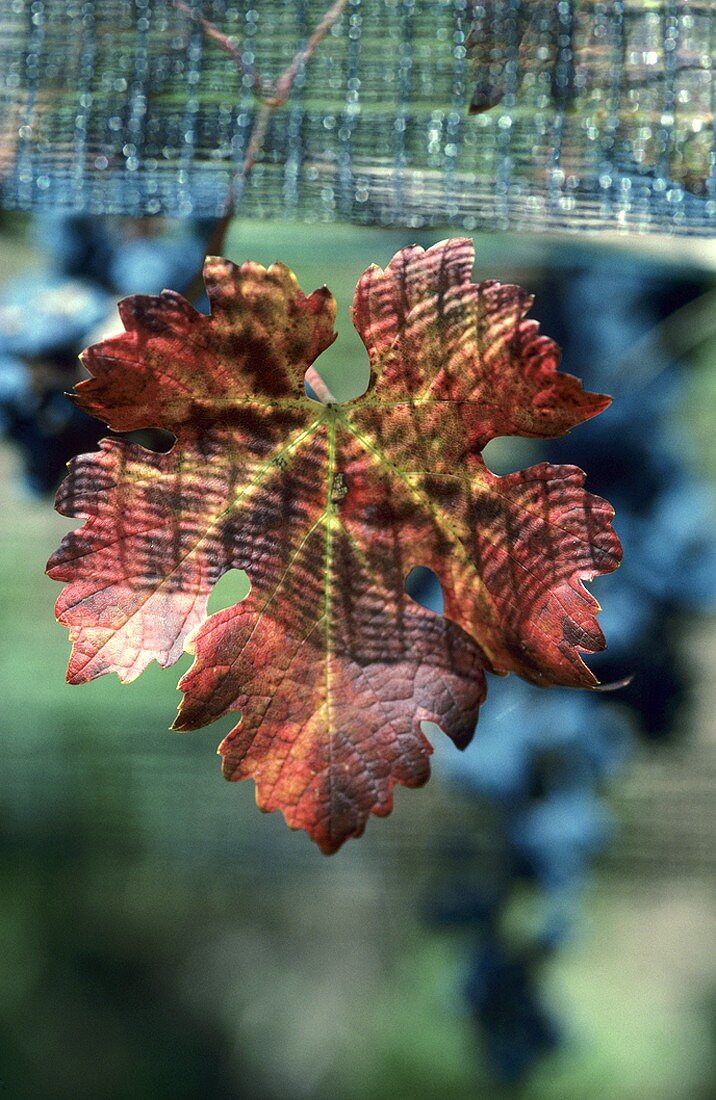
(499, 114)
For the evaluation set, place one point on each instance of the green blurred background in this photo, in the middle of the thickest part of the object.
(162, 938)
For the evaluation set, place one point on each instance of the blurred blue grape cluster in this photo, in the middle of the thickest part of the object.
(537, 766)
(48, 316)
(540, 759)
(607, 318)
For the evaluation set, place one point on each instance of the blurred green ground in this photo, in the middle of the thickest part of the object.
(161, 938)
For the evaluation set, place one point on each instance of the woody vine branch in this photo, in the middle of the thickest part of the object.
(271, 96)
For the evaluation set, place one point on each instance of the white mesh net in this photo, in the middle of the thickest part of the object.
(503, 114)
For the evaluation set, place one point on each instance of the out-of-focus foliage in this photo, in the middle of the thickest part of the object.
(655, 93)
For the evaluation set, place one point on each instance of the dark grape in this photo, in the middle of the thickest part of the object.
(540, 758)
(46, 319)
(503, 992)
(42, 314)
(148, 265)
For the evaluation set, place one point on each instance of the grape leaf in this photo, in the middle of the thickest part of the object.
(327, 507)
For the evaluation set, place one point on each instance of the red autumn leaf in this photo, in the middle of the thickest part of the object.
(328, 507)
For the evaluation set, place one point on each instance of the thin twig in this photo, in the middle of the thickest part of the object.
(212, 31)
(271, 97)
(284, 82)
(277, 98)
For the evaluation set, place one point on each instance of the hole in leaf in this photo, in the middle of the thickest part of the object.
(233, 587)
(507, 454)
(423, 586)
(153, 439)
(432, 731)
(318, 388)
(344, 368)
